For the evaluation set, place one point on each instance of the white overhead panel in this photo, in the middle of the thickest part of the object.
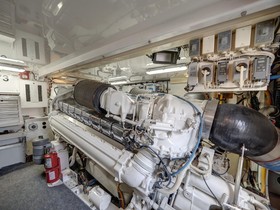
(30, 47)
(147, 26)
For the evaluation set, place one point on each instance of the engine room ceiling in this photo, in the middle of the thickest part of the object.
(113, 37)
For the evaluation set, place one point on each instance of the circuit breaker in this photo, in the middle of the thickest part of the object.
(240, 70)
(194, 48)
(206, 72)
(222, 72)
(264, 32)
(224, 41)
(193, 74)
(261, 68)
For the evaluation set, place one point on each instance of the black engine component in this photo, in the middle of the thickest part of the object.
(87, 93)
(235, 125)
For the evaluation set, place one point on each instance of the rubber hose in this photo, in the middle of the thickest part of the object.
(235, 125)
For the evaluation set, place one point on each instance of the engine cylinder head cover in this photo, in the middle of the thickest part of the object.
(235, 125)
(88, 92)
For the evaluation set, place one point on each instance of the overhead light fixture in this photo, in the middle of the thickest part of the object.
(8, 68)
(119, 82)
(55, 8)
(10, 61)
(166, 69)
(112, 79)
(149, 64)
(59, 5)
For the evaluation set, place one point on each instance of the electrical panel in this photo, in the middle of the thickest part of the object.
(261, 68)
(206, 70)
(264, 32)
(240, 70)
(194, 48)
(240, 74)
(33, 94)
(222, 72)
(208, 44)
(224, 41)
(243, 37)
(193, 74)
(232, 68)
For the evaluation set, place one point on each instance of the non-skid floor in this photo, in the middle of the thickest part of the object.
(25, 189)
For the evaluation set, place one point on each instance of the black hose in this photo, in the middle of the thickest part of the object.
(235, 125)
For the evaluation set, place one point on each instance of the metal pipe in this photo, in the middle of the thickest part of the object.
(238, 176)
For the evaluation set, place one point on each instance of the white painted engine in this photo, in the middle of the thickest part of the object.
(149, 143)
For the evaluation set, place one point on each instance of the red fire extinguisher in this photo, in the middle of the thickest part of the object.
(52, 167)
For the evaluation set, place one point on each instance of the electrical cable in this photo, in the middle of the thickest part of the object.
(274, 77)
(228, 167)
(121, 197)
(55, 90)
(242, 99)
(211, 191)
(161, 161)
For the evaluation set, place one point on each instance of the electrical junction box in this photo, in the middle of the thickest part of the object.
(194, 48)
(193, 74)
(224, 41)
(208, 44)
(222, 72)
(206, 72)
(261, 67)
(264, 32)
(243, 37)
(33, 94)
(237, 65)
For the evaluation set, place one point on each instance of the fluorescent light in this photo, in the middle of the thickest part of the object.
(56, 9)
(166, 69)
(7, 68)
(12, 61)
(149, 64)
(111, 79)
(119, 83)
(59, 5)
